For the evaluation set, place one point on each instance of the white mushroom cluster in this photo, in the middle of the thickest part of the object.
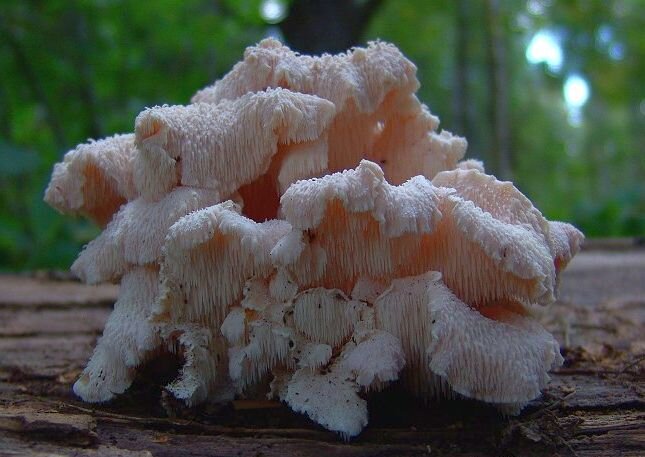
(303, 230)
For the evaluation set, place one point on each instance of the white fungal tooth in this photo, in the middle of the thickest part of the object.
(498, 361)
(367, 289)
(282, 287)
(304, 218)
(314, 355)
(329, 399)
(404, 298)
(256, 294)
(374, 358)
(234, 327)
(326, 316)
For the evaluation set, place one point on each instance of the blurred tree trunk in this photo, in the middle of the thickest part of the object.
(83, 51)
(498, 90)
(461, 95)
(317, 26)
(5, 109)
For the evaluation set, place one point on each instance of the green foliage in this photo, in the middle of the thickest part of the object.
(592, 174)
(81, 69)
(70, 70)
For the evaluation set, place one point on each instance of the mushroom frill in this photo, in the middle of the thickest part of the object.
(303, 230)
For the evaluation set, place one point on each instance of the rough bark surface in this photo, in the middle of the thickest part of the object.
(594, 405)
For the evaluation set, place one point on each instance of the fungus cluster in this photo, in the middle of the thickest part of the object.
(302, 230)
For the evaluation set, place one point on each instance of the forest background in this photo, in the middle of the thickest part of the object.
(550, 94)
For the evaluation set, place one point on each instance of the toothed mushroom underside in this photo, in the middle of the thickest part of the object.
(302, 230)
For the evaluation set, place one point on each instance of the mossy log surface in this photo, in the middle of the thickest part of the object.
(594, 405)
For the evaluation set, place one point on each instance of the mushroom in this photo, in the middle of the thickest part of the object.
(94, 179)
(415, 227)
(137, 233)
(202, 375)
(454, 347)
(320, 347)
(494, 250)
(128, 338)
(200, 145)
(378, 115)
(208, 257)
(303, 230)
(325, 315)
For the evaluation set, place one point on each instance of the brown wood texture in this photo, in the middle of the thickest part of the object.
(594, 405)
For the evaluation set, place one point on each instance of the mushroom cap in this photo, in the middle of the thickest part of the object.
(501, 199)
(282, 336)
(330, 396)
(210, 146)
(234, 326)
(498, 361)
(208, 256)
(409, 144)
(565, 242)
(314, 355)
(409, 208)
(282, 287)
(401, 310)
(367, 289)
(94, 179)
(364, 75)
(534, 247)
(377, 114)
(136, 234)
(471, 164)
(408, 229)
(261, 338)
(496, 217)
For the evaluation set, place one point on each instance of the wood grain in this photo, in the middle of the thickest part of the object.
(594, 405)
